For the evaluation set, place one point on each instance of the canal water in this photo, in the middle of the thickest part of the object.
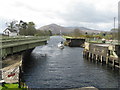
(51, 67)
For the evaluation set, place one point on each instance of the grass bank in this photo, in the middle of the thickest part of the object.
(12, 86)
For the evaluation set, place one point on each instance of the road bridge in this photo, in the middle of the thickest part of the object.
(12, 45)
(14, 52)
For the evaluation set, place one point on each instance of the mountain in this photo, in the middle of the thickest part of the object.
(81, 28)
(57, 28)
(84, 30)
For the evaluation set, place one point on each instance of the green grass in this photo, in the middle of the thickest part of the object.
(95, 41)
(70, 37)
(0, 87)
(11, 86)
(66, 37)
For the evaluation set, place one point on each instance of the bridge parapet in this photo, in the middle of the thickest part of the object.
(18, 44)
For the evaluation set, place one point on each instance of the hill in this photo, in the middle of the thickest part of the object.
(57, 28)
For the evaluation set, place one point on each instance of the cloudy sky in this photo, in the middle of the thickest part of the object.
(94, 14)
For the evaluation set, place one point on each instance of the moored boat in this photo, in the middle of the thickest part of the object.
(61, 45)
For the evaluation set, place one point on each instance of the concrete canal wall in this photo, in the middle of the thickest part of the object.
(103, 53)
(13, 68)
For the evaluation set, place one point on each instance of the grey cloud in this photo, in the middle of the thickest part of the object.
(47, 13)
(84, 12)
(19, 4)
(74, 14)
(3, 25)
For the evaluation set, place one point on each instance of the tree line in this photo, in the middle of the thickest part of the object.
(27, 29)
(113, 34)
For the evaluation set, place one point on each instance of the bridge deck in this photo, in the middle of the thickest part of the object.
(13, 45)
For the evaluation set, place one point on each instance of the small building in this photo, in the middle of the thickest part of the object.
(10, 32)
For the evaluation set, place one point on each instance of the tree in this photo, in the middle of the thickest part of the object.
(43, 33)
(22, 28)
(114, 33)
(76, 32)
(50, 32)
(86, 33)
(31, 28)
(12, 25)
(27, 28)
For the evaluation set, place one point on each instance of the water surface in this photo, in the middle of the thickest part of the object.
(51, 67)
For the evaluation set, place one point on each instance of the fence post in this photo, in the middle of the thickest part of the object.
(19, 82)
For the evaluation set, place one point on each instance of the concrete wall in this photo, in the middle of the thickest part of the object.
(74, 42)
(12, 70)
(99, 50)
(103, 53)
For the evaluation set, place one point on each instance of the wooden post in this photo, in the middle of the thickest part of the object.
(101, 57)
(96, 57)
(119, 61)
(83, 53)
(92, 56)
(89, 56)
(113, 63)
(19, 82)
(107, 60)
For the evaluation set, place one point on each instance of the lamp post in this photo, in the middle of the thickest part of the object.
(114, 29)
(114, 22)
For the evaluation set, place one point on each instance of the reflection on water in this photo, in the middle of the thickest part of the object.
(52, 67)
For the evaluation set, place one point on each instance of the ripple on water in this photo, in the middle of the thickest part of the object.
(66, 69)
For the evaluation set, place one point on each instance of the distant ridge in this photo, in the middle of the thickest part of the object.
(57, 28)
(81, 28)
